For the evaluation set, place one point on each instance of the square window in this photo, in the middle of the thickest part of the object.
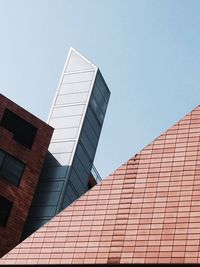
(23, 132)
(5, 208)
(2, 156)
(11, 169)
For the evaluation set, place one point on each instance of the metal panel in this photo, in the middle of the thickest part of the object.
(64, 122)
(72, 98)
(77, 183)
(77, 63)
(63, 158)
(89, 145)
(83, 156)
(102, 86)
(50, 198)
(78, 77)
(68, 111)
(62, 147)
(54, 172)
(50, 186)
(71, 88)
(64, 134)
(72, 195)
(40, 212)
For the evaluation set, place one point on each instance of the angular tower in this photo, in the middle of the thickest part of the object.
(77, 115)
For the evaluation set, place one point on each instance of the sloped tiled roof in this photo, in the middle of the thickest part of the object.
(147, 211)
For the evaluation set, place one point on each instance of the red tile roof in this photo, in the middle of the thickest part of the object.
(147, 211)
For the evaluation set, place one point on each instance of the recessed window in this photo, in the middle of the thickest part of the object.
(89, 186)
(23, 132)
(5, 208)
(11, 169)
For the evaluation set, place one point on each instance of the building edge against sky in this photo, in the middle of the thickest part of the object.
(77, 115)
(52, 178)
(147, 211)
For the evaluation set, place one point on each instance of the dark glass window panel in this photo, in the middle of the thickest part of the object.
(5, 208)
(23, 132)
(11, 169)
(2, 156)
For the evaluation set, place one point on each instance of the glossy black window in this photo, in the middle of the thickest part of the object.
(23, 132)
(5, 208)
(11, 169)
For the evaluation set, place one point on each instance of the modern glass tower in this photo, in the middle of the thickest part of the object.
(77, 115)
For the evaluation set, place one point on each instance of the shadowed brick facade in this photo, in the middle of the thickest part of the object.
(147, 211)
(30, 153)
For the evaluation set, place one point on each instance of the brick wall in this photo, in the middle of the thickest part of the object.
(147, 211)
(33, 158)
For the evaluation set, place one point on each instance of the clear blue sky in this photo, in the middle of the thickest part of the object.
(148, 52)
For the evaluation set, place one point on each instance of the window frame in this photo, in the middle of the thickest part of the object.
(5, 211)
(7, 156)
(23, 131)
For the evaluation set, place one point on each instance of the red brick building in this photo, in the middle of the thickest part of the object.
(24, 140)
(147, 211)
